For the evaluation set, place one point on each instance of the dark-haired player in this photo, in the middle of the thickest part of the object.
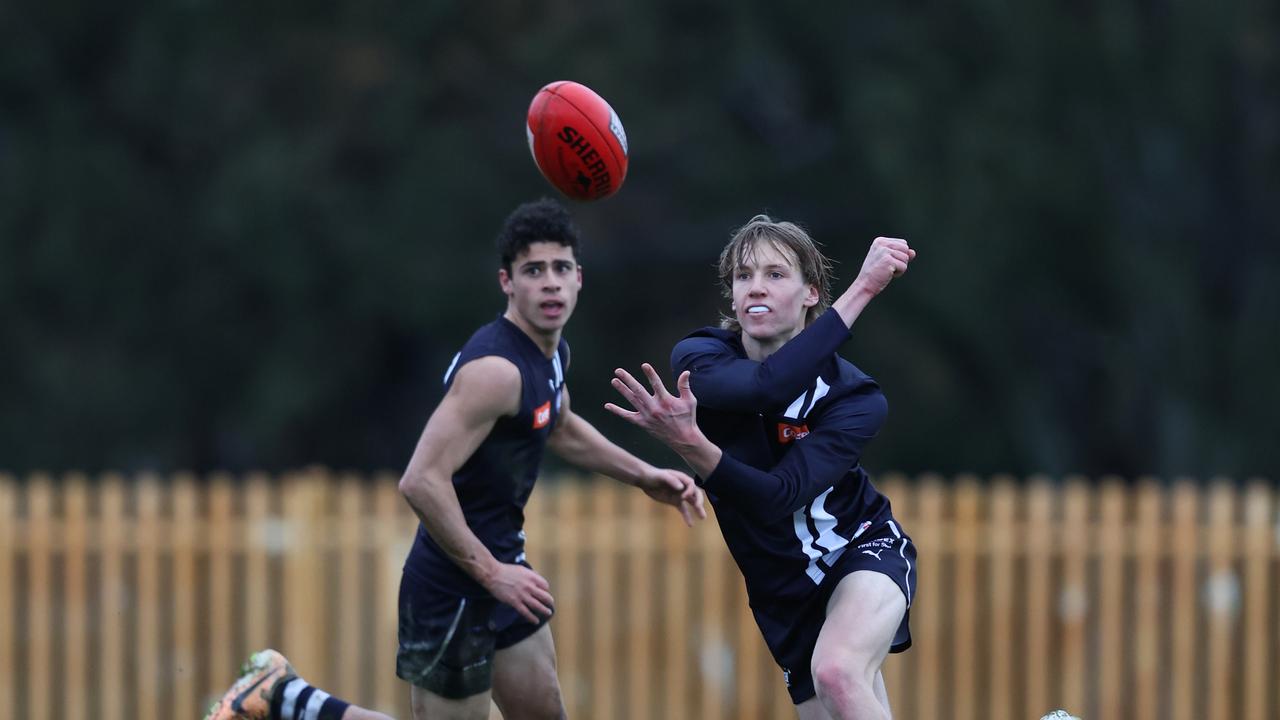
(775, 435)
(473, 614)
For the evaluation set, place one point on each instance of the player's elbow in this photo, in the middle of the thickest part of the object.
(412, 485)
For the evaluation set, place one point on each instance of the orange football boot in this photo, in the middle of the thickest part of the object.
(249, 698)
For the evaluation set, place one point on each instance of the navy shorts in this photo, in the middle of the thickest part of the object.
(791, 631)
(447, 641)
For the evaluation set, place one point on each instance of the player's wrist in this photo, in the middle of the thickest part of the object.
(862, 288)
(486, 571)
(854, 300)
(699, 453)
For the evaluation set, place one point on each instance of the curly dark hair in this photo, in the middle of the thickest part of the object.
(543, 220)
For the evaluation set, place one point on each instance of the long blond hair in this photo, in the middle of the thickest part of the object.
(790, 240)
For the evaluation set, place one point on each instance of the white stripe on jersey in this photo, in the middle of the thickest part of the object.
(799, 408)
(902, 552)
(826, 539)
(555, 363)
(452, 363)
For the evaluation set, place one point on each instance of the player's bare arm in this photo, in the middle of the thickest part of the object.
(886, 259)
(672, 419)
(580, 443)
(483, 390)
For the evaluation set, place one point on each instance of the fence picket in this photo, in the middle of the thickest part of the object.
(1003, 505)
(1148, 600)
(8, 514)
(965, 540)
(602, 680)
(1112, 548)
(349, 654)
(1185, 543)
(151, 540)
(40, 596)
(113, 599)
(75, 607)
(1037, 542)
(224, 645)
(262, 530)
(678, 637)
(640, 615)
(181, 665)
(1260, 627)
(1221, 599)
(1073, 538)
(716, 676)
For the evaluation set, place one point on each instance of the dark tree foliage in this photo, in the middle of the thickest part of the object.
(245, 235)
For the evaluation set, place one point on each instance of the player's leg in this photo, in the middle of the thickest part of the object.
(812, 708)
(863, 615)
(427, 705)
(446, 650)
(269, 689)
(882, 693)
(525, 685)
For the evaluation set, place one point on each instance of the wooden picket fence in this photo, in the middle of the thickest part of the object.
(137, 597)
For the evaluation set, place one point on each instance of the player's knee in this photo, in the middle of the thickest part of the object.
(547, 706)
(552, 706)
(838, 677)
(544, 703)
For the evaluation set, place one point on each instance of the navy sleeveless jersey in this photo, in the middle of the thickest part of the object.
(494, 483)
(789, 492)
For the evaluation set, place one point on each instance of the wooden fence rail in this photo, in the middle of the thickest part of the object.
(137, 597)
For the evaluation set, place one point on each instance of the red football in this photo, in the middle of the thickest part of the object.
(577, 141)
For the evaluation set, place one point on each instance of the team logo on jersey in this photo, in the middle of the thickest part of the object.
(786, 676)
(875, 547)
(788, 432)
(542, 415)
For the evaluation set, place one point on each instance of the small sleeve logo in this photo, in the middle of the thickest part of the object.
(542, 415)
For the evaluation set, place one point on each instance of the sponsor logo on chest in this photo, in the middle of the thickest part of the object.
(788, 432)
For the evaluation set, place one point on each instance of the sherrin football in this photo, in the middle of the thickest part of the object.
(577, 141)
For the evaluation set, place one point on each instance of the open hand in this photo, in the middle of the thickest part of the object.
(669, 418)
(675, 488)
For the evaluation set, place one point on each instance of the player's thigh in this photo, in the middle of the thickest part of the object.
(524, 678)
(426, 705)
(863, 615)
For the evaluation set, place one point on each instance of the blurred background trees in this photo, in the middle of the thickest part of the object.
(236, 235)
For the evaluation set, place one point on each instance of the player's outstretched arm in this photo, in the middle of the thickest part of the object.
(580, 443)
(483, 390)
